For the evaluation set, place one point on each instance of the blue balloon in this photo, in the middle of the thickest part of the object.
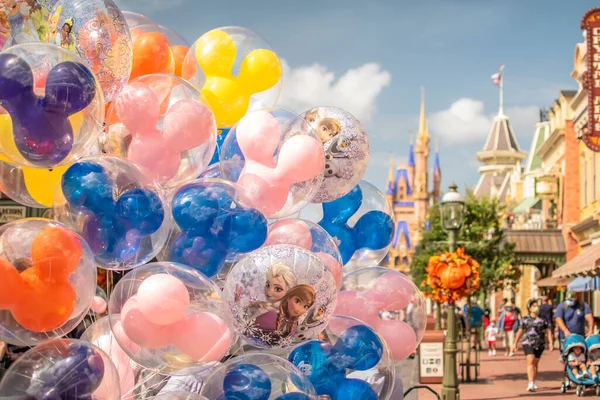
(293, 396)
(76, 375)
(247, 382)
(374, 230)
(359, 348)
(314, 359)
(115, 230)
(352, 389)
(41, 128)
(221, 136)
(213, 227)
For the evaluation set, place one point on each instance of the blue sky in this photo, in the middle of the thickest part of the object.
(371, 57)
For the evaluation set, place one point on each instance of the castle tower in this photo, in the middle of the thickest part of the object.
(421, 151)
(436, 193)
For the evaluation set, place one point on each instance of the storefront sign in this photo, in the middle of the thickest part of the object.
(591, 24)
(12, 213)
(431, 358)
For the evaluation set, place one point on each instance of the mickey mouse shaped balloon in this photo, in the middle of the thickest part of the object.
(122, 213)
(41, 87)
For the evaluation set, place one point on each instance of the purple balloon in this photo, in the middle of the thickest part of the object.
(41, 128)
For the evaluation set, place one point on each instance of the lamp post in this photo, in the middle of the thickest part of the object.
(547, 188)
(453, 206)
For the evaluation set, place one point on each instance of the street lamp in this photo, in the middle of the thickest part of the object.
(453, 206)
(547, 188)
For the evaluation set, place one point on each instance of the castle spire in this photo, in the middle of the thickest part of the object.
(423, 134)
(391, 181)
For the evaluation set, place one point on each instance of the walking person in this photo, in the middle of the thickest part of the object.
(491, 332)
(547, 313)
(534, 330)
(507, 326)
(573, 316)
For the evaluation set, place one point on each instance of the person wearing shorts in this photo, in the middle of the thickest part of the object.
(491, 333)
(534, 331)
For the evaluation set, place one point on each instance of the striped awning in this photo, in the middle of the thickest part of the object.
(584, 284)
(585, 263)
(553, 281)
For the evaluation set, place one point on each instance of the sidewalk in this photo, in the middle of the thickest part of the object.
(505, 378)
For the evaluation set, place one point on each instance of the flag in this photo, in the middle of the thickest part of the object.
(497, 77)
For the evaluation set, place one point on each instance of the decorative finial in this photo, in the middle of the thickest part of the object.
(452, 187)
(437, 147)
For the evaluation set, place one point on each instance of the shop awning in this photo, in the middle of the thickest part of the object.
(553, 281)
(526, 205)
(537, 246)
(584, 263)
(584, 284)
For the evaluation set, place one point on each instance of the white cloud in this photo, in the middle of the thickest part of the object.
(466, 121)
(355, 91)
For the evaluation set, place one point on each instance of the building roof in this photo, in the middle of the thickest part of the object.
(534, 161)
(537, 245)
(568, 93)
(584, 263)
(423, 134)
(436, 165)
(501, 136)
(411, 156)
(402, 174)
(401, 232)
(492, 183)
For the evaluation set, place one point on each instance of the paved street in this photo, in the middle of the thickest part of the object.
(504, 378)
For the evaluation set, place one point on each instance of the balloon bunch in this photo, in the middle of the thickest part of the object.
(358, 348)
(42, 298)
(187, 124)
(157, 316)
(374, 230)
(229, 95)
(250, 382)
(301, 158)
(115, 230)
(213, 225)
(42, 131)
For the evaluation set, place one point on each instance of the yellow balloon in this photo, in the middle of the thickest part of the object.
(260, 70)
(41, 183)
(227, 100)
(215, 53)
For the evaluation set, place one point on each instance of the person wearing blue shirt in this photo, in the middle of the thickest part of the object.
(476, 322)
(571, 316)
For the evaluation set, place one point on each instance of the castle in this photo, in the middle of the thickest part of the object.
(408, 192)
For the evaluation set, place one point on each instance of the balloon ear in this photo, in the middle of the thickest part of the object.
(70, 88)
(215, 53)
(258, 135)
(16, 78)
(55, 253)
(260, 70)
(301, 158)
(373, 231)
(342, 209)
(188, 124)
(138, 108)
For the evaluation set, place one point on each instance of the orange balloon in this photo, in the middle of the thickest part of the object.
(11, 285)
(47, 306)
(151, 54)
(179, 53)
(55, 253)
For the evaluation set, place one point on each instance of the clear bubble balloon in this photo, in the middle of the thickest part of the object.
(179, 396)
(161, 123)
(284, 172)
(100, 335)
(152, 52)
(167, 317)
(239, 72)
(48, 281)
(346, 352)
(346, 150)
(60, 118)
(121, 212)
(214, 223)
(258, 377)
(134, 19)
(390, 303)
(280, 295)
(361, 222)
(62, 369)
(309, 236)
(98, 32)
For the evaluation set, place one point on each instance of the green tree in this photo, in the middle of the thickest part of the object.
(481, 236)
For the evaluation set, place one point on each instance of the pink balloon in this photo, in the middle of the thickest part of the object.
(188, 124)
(163, 299)
(123, 340)
(139, 329)
(352, 304)
(400, 337)
(202, 336)
(98, 305)
(152, 154)
(138, 108)
(333, 265)
(391, 291)
(268, 183)
(258, 135)
(109, 344)
(290, 231)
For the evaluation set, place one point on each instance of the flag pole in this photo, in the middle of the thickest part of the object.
(501, 110)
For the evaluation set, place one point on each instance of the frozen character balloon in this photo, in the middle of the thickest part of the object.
(280, 279)
(346, 150)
